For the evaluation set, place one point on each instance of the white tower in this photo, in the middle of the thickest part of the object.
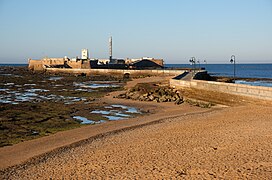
(110, 46)
(84, 54)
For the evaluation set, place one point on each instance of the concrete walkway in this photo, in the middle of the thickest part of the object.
(186, 76)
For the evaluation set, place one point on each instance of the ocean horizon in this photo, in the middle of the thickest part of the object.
(246, 70)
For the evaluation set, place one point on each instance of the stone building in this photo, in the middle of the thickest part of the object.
(75, 63)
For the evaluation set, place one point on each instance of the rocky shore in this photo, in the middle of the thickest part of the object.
(153, 92)
(37, 104)
(158, 93)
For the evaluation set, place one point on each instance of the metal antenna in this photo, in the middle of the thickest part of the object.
(110, 46)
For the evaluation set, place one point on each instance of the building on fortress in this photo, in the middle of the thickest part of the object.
(141, 63)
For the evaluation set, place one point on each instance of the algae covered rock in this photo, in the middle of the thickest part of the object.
(153, 92)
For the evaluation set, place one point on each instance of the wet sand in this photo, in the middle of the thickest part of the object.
(175, 142)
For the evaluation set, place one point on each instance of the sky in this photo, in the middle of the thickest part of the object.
(174, 30)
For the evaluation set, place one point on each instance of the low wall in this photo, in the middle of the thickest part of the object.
(237, 89)
(115, 71)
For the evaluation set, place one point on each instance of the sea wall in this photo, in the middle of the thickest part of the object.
(35, 65)
(237, 89)
(115, 71)
(40, 65)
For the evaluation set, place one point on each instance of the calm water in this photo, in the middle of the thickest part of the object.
(14, 65)
(242, 70)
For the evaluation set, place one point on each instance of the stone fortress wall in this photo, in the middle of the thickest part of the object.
(116, 71)
(39, 65)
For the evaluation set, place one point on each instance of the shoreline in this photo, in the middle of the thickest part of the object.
(9, 154)
(11, 160)
(21, 152)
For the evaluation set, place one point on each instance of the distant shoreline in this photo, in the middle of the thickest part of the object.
(4, 64)
(262, 71)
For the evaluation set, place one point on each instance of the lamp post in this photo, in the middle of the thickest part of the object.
(205, 64)
(193, 61)
(232, 60)
(198, 61)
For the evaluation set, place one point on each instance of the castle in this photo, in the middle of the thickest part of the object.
(84, 62)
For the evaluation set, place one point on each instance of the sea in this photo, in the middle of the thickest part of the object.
(242, 70)
(263, 71)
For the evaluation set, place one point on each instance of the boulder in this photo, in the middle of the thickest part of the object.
(149, 92)
(151, 97)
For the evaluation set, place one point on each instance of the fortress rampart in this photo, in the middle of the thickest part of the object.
(40, 65)
(115, 71)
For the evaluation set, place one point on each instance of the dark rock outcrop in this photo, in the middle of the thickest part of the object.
(149, 92)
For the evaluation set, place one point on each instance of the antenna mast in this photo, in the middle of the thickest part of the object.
(110, 46)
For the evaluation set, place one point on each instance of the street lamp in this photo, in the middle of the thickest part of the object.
(232, 60)
(193, 61)
(205, 64)
(198, 64)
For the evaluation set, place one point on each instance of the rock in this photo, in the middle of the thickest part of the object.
(145, 95)
(135, 96)
(163, 98)
(142, 98)
(168, 97)
(149, 92)
(179, 101)
(151, 97)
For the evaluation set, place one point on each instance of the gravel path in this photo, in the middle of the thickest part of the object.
(232, 143)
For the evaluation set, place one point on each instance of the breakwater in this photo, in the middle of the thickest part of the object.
(236, 89)
(116, 71)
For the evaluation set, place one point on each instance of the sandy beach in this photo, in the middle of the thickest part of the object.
(183, 142)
